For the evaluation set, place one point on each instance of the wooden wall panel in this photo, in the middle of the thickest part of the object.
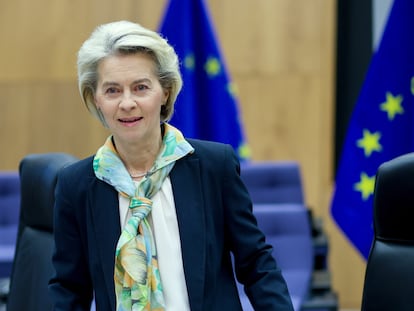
(45, 117)
(280, 54)
(41, 38)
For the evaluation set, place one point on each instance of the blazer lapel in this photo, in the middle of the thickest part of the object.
(187, 189)
(107, 229)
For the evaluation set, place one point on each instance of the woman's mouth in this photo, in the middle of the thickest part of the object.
(130, 120)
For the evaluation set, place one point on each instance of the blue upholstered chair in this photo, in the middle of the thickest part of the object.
(389, 275)
(288, 230)
(279, 184)
(273, 181)
(9, 219)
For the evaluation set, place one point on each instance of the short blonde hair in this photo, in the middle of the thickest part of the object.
(127, 37)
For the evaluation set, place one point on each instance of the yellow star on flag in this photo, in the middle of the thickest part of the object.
(392, 105)
(365, 185)
(212, 66)
(412, 85)
(189, 62)
(370, 142)
(244, 151)
(232, 89)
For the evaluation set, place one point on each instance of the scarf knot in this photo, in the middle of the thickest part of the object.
(140, 207)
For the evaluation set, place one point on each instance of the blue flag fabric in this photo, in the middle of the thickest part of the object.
(381, 127)
(207, 107)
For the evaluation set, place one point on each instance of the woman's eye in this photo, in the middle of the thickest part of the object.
(111, 90)
(141, 87)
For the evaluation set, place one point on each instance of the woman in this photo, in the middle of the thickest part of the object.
(149, 222)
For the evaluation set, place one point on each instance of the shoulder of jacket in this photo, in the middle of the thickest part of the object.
(79, 168)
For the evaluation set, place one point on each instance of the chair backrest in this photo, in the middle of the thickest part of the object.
(9, 219)
(32, 267)
(389, 275)
(273, 181)
(288, 230)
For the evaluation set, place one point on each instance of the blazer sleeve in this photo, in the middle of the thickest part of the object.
(255, 267)
(71, 286)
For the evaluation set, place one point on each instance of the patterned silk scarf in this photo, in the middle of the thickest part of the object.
(137, 279)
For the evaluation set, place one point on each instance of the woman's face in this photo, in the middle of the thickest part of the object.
(130, 97)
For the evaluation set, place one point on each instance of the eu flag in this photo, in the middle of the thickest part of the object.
(381, 126)
(207, 107)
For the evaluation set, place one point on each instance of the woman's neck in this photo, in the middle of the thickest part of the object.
(139, 158)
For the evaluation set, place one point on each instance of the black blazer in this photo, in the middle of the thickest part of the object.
(215, 218)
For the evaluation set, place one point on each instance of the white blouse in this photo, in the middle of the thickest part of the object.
(163, 221)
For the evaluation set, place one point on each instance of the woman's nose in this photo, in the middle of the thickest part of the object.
(127, 101)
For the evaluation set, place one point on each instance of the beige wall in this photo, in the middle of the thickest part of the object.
(280, 53)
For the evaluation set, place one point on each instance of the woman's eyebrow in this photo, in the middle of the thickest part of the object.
(109, 83)
(147, 80)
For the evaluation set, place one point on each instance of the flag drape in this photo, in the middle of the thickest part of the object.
(207, 107)
(381, 127)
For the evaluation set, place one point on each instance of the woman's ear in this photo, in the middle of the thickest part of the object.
(166, 95)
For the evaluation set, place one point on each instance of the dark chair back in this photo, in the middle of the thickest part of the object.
(389, 276)
(32, 267)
